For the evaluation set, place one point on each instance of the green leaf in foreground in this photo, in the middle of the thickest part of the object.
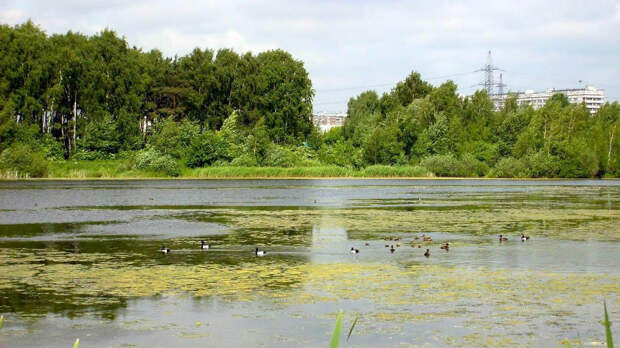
(77, 343)
(336, 335)
(352, 327)
(610, 341)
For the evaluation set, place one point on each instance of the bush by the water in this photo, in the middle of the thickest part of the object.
(22, 160)
(449, 165)
(509, 167)
(152, 160)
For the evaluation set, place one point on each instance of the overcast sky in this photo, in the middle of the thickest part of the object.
(351, 46)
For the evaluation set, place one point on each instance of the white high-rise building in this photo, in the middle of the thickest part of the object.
(327, 121)
(592, 97)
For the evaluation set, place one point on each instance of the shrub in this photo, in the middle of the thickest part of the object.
(342, 153)
(84, 155)
(279, 156)
(102, 139)
(542, 165)
(172, 138)
(52, 148)
(470, 166)
(151, 159)
(24, 161)
(448, 165)
(509, 167)
(245, 160)
(206, 149)
(441, 165)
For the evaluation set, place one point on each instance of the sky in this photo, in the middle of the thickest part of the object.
(352, 46)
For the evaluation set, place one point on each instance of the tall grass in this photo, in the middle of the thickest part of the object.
(101, 169)
(98, 169)
(304, 172)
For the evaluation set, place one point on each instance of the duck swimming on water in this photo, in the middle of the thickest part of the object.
(392, 250)
(164, 250)
(259, 252)
(427, 253)
(354, 251)
(524, 237)
(502, 238)
(204, 245)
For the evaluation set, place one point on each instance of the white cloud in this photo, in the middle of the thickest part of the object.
(12, 16)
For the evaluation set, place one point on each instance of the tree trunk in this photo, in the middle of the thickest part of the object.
(611, 142)
(74, 122)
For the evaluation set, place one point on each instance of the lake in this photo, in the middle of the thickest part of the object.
(81, 259)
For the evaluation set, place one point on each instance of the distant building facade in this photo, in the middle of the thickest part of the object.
(593, 98)
(327, 121)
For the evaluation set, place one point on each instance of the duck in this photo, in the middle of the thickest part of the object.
(354, 251)
(164, 250)
(445, 247)
(524, 237)
(427, 253)
(258, 252)
(392, 250)
(387, 245)
(502, 238)
(428, 239)
(366, 244)
(416, 237)
(397, 245)
(204, 245)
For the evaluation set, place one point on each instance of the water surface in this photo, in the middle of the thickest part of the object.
(80, 259)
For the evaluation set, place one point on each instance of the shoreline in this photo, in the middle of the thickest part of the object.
(94, 178)
(118, 170)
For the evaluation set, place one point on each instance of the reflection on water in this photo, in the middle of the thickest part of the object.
(80, 259)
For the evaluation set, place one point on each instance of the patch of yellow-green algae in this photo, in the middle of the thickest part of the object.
(572, 224)
(395, 293)
(385, 284)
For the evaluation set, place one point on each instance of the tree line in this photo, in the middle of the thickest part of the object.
(452, 135)
(71, 86)
(78, 97)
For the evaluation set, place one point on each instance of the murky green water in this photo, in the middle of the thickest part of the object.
(80, 259)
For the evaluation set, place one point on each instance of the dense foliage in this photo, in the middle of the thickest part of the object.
(452, 135)
(95, 98)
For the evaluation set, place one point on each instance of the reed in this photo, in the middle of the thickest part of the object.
(336, 334)
(607, 324)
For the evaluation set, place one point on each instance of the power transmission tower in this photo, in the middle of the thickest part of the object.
(488, 69)
(500, 86)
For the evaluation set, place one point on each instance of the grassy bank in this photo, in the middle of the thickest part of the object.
(303, 172)
(118, 169)
(110, 169)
